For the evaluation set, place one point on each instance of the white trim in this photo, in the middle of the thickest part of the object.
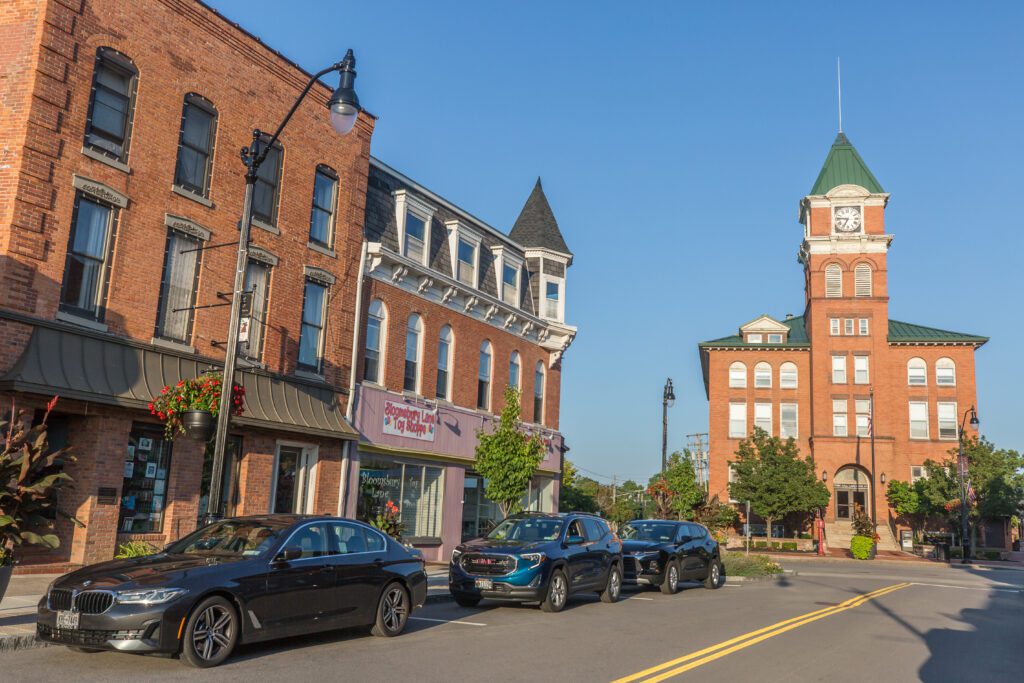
(406, 203)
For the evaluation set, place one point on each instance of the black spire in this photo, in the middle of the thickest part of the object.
(536, 225)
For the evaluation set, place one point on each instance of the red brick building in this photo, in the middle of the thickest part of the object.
(813, 377)
(120, 125)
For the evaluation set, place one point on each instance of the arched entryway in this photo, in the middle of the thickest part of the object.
(852, 487)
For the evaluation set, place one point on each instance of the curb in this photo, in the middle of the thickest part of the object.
(759, 579)
(439, 597)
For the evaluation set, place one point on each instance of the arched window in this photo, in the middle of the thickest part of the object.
(483, 382)
(513, 370)
(787, 375)
(444, 363)
(538, 393)
(945, 372)
(833, 280)
(413, 353)
(917, 372)
(737, 375)
(108, 126)
(376, 331)
(862, 280)
(762, 376)
(195, 145)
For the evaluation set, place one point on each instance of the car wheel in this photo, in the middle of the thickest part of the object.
(614, 587)
(714, 578)
(558, 593)
(466, 601)
(83, 650)
(211, 633)
(670, 584)
(392, 612)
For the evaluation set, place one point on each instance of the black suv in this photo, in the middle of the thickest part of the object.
(539, 557)
(662, 553)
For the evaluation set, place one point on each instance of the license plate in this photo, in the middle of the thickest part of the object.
(484, 584)
(67, 620)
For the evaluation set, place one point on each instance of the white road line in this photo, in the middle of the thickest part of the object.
(967, 588)
(449, 621)
(637, 597)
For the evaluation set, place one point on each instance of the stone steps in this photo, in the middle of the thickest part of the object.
(839, 534)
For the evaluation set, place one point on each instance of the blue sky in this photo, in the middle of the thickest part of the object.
(675, 140)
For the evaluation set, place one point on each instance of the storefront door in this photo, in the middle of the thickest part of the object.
(294, 487)
(851, 488)
(479, 515)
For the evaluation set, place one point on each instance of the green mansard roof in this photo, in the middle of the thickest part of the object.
(908, 333)
(843, 166)
(797, 337)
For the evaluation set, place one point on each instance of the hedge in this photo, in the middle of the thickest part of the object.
(861, 546)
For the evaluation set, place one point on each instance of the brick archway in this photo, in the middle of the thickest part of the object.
(851, 487)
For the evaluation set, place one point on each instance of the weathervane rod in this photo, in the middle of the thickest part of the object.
(839, 80)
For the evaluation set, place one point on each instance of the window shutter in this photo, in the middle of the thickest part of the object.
(833, 281)
(862, 280)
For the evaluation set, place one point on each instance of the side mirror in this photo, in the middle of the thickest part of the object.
(574, 540)
(292, 552)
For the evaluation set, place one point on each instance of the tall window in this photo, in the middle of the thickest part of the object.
(788, 426)
(763, 416)
(84, 289)
(267, 189)
(538, 393)
(737, 420)
(737, 375)
(860, 370)
(413, 352)
(257, 281)
(108, 126)
(839, 422)
(762, 376)
(848, 326)
(415, 237)
(510, 284)
(376, 326)
(947, 421)
(863, 416)
(311, 336)
(917, 372)
(833, 326)
(513, 370)
(178, 288)
(838, 369)
(919, 420)
(833, 280)
(945, 372)
(466, 263)
(195, 145)
(321, 218)
(863, 327)
(787, 375)
(444, 363)
(552, 296)
(862, 280)
(483, 382)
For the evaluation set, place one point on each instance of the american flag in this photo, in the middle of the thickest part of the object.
(971, 496)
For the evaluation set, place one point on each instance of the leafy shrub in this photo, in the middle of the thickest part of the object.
(738, 564)
(988, 554)
(861, 546)
(760, 545)
(132, 549)
(804, 535)
(862, 525)
(956, 551)
(790, 546)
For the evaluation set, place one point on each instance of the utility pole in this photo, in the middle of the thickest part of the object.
(699, 451)
(615, 488)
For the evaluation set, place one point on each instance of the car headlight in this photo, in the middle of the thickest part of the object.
(149, 596)
(534, 560)
(456, 554)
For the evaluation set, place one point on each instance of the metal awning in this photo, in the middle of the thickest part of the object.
(101, 368)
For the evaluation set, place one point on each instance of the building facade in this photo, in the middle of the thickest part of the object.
(120, 125)
(452, 311)
(852, 386)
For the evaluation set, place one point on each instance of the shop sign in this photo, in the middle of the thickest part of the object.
(414, 422)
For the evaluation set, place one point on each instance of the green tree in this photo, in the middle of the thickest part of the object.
(904, 498)
(507, 457)
(573, 497)
(996, 476)
(680, 488)
(771, 474)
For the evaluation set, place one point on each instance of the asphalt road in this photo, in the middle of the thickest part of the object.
(875, 622)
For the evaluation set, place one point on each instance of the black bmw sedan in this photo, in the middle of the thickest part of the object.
(239, 580)
(657, 552)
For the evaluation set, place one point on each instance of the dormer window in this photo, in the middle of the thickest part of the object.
(755, 338)
(774, 338)
(414, 238)
(510, 284)
(464, 242)
(466, 264)
(414, 217)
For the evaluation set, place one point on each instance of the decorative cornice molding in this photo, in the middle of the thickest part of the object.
(187, 226)
(100, 191)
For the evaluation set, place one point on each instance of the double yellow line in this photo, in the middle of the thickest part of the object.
(693, 660)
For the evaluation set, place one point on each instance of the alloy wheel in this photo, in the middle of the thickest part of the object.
(558, 590)
(673, 576)
(616, 583)
(395, 609)
(212, 632)
(715, 572)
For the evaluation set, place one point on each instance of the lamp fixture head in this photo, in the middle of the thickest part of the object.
(670, 394)
(344, 103)
(882, 478)
(824, 475)
(974, 419)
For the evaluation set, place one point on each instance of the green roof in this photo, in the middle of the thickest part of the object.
(797, 337)
(843, 166)
(900, 332)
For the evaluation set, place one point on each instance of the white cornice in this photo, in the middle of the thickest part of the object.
(551, 254)
(835, 244)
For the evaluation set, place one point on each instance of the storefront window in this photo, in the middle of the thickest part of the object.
(417, 490)
(479, 515)
(144, 492)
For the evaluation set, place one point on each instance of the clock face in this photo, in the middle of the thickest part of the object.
(846, 219)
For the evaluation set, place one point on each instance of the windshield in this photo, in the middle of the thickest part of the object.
(648, 531)
(527, 529)
(231, 539)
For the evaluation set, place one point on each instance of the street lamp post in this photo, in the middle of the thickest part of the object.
(965, 543)
(668, 399)
(871, 426)
(344, 110)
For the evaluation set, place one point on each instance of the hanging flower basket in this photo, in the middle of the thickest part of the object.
(191, 406)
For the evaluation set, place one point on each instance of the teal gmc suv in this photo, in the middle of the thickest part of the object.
(539, 557)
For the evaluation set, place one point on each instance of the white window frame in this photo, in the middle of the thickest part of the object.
(458, 230)
(862, 409)
(861, 370)
(863, 287)
(775, 338)
(450, 358)
(740, 407)
(763, 407)
(922, 367)
(838, 373)
(836, 291)
(307, 470)
(474, 279)
(795, 432)
(755, 338)
(420, 333)
(947, 363)
(848, 327)
(862, 324)
(382, 341)
(502, 258)
(560, 281)
(833, 327)
(515, 356)
(737, 381)
(840, 418)
(784, 382)
(758, 375)
(949, 420)
(927, 427)
(921, 473)
(406, 203)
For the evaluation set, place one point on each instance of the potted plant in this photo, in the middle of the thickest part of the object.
(30, 477)
(389, 521)
(864, 543)
(191, 406)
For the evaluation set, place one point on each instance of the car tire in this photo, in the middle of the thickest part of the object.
(670, 584)
(714, 577)
(83, 650)
(466, 601)
(613, 588)
(211, 633)
(392, 611)
(557, 594)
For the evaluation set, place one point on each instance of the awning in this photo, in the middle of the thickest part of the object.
(104, 369)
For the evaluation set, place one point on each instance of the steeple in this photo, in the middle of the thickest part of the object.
(536, 225)
(843, 166)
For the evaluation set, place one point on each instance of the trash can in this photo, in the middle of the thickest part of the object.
(945, 551)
